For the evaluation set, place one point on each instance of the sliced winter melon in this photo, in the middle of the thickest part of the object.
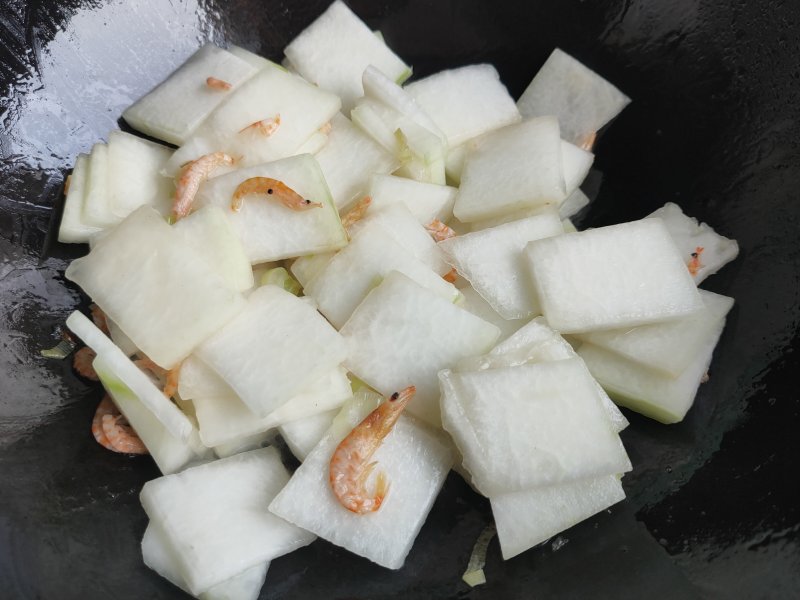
(140, 385)
(96, 202)
(704, 250)
(416, 461)
(301, 435)
(573, 204)
(244, 444)
(530, 517)
(166, 299)
(349, 159)
(159, 556)
(254, 60)
(270, 94)
(426, 201)
(611, 277)
(335, 49)
(667, 347)
(305, 268)
(134, 174)
(465, 102)
(270, 350)
(510, 169)
(576, 163)
(474, 303)
(531, 425)
(356, 269)
(402, 334)
(215, 518)
(492, 260)
(174, 109)
(122, 341)
(72, 229)
(581, 99)
(267, 229)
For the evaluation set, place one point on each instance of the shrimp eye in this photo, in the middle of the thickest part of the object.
(308, 201)
(394, 396)
(269, 191)
(694, 254)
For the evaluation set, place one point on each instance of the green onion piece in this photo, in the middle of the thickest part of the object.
(474, 574)
(280, 277)
(60, 351)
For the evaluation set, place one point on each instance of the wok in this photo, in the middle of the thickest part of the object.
(713, 507)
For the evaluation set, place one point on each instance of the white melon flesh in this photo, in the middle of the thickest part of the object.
(198, 380)
(465, 102)
(269, 352)
(314, 144)
(123, 368)
(689, 235)
(270, 93)
(474, 303)
(120, 339)
(169, 453)
(244, 444)
(159, 556)
(134, 174)
(96, 202)
(530, 425)
(209, 235)
(355, 270)
(254, 60)
(510, 169)
(223, 419)
(398, 221)
(426, 201)
(492, 260)
(665, 399)
(667, 347)
(335, 49)
(611, 277)
(581, 99)
(303, 434)
(456, 157)
(530, 517)
(166, 299)
(573, 204)
(402, 334)
(416, 461)
(175, 108)
(215, 516)
(72, 229)
(269, 230)
(349, 159)
(575, 164)
(305, 268)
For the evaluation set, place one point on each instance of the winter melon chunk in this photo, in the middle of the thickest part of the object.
(581, 99)
(301, 435)
(530, 425)
(426, 201)
(159, 556)
(335, 49)
(510, 169)
(270, 231)
(72, 229)
(402, 334)
(611, 277)
(416, 461)
(215, 516)
(272, 349)
(166, 299)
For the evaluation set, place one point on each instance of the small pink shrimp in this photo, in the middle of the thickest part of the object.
(171, 376)
(192, 175)
(587, 143)
(82, 363)
(326, 129)
(218, 84)
(439, 230)
(265, 127)
(271, 187)
(694, 264)
(99, 318)
(113, 432)
(450, 276)
(355, 214)
(350, 466)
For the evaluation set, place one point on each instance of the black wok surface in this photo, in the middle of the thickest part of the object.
(713, 508)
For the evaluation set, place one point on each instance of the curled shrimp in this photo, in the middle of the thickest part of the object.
(439, 230)
(82, 363)
(265, 127)
(171, 376)
(192, 175)
(355, 214)
(694, 262)
(218, 84)
(271, 187)
(111, 430)
(350, 466)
